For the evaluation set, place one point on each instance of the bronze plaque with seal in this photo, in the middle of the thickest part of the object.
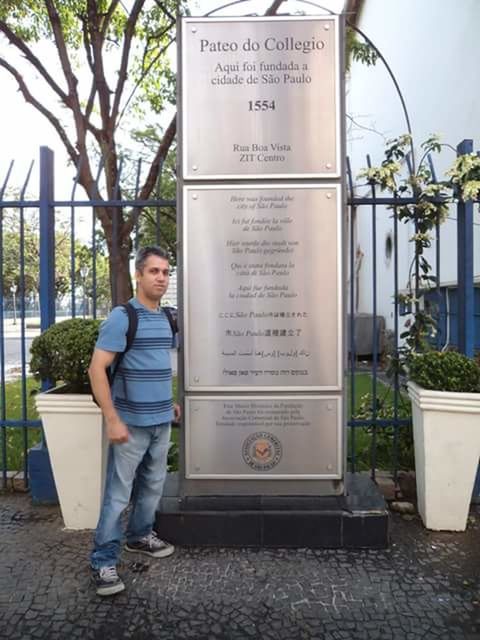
(253, 437)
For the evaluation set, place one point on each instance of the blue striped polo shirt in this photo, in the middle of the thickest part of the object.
(142, 389)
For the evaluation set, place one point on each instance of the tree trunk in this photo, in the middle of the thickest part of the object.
(120, 282)
(119, 245)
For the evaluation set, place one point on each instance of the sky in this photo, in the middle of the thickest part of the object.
(23, 130)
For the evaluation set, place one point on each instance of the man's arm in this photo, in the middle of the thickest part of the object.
(117, 430)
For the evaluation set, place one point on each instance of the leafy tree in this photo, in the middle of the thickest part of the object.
(11, 223)
(157, 225)
(98, 35)
(95, 283)
(12, 227)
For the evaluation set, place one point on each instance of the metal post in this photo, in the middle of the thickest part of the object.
(39, 469)
(83, 274)
(47, 240)
(13, 289)
(466, 292)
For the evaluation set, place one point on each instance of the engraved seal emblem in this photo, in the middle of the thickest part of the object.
(262, 451)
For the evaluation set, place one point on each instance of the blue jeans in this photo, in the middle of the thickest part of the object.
(143, 459)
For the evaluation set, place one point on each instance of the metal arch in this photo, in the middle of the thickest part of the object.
(369, 42)
(235, 2)
(318, 6)
(397, 87)
(225, 6)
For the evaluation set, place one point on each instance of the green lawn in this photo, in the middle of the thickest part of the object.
(14, 437)
(392, 450)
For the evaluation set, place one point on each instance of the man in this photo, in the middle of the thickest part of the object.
(138, 410)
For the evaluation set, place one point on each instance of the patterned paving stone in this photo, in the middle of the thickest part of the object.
(425, 586)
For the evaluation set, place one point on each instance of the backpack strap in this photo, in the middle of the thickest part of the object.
(130, 337)
(171, 314)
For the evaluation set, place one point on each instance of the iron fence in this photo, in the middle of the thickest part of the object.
(378, 411)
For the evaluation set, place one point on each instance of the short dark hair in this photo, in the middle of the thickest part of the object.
(145, 252)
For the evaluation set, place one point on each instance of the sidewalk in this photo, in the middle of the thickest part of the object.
(425, 586)
(14, 330)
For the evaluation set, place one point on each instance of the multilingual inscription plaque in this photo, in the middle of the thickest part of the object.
(260, 97)
(262, 287)
(263, 437)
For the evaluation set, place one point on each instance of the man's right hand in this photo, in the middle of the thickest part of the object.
(117, 431)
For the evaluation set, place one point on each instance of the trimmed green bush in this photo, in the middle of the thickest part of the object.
(62, 353)
(444, 371)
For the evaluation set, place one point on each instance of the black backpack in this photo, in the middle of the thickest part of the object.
(171, 314)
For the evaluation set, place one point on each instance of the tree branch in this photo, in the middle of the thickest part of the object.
(142, 77)
(70, 77)
(274, 7)
(81, 124)
(108, 17)
(166, 143)
(88, 53)
(86, 42)
(32, 58)
(44, 111)
(165, 10)
(127, 43)
(99, 71)
(154, 170)
(87, 45)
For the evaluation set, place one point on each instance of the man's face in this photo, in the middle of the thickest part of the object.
(153, 280)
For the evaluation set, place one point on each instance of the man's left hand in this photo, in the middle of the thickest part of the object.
(177, 412)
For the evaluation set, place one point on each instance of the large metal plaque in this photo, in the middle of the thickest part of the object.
(263, 437)
(260, 97)
(262, 287)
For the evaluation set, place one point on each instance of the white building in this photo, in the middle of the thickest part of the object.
(432, 48)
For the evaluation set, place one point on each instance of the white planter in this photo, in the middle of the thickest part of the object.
(78, 451)
(446, 431)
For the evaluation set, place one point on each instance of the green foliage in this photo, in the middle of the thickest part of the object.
(173, 452)
(444, 371)
(14, 407)
(385, 440)
(432, 200)
(16, 410)
(31, 255)
(465, 173)
(157, 225)
(83, 258)
(92, 32)
(14, 444)
(429, 209)
(62, 353)
(107, 66)
(12, 223)
(359, 51)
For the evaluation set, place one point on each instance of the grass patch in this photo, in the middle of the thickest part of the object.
(380, 447)
(13, 440)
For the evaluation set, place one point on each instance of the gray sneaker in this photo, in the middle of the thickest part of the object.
(107, 581)
(152, 546)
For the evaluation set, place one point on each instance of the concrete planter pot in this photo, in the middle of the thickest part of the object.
(446, 431)
(78, 450)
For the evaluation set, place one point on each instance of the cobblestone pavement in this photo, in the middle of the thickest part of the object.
(426, 585)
